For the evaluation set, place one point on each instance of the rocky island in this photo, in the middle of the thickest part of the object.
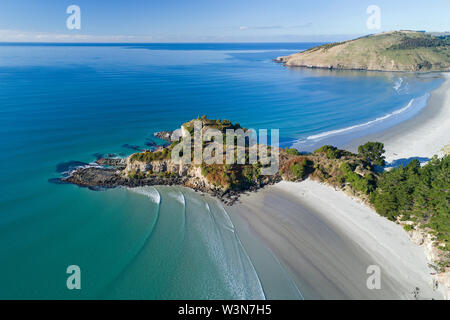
(408, 51)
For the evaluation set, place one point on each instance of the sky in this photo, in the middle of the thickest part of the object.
(213, 20)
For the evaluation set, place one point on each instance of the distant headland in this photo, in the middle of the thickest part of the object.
(407, 51)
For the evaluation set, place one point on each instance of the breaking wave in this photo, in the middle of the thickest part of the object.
(193, 252)
(414, 106)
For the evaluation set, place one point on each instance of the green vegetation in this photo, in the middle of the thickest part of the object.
(427, 41)
(365, 184)
(292, 152)
(221, 125)
(237, 176)
(301, 169)
(133, 174)
(325, 47)
(251, 173)
(298, 169)
(167, 175)
(332, 152)
(149, 156)
(417, 194)
(372, 152)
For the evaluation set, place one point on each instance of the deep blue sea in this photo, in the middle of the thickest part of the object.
(65, 105)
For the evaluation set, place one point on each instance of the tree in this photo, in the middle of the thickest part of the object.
(418, 194)
(372, 152)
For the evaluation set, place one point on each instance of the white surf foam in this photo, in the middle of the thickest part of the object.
(401, 86)
(416, 103)
(69, 173)
(150, 192)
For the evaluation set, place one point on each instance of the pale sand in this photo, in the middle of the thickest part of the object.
(327, 240)
(422, 136)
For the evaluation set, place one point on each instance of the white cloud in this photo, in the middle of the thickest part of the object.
(25, 36)
(305, 25)
(75, 37)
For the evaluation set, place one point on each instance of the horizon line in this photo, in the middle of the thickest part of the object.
(161, 42)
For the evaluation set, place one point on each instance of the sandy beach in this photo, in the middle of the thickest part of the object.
(327, 240)
(423, 136)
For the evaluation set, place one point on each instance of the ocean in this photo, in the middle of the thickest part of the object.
(63, 106)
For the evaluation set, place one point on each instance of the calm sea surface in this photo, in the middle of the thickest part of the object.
(63, 106)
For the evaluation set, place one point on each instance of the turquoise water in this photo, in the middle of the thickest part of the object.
(63, 106)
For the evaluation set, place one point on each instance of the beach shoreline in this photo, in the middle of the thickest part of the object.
(327, 240)
(422, 136)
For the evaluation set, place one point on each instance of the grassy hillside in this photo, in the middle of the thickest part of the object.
(391, 51)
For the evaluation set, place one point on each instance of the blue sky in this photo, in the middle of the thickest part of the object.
(212, 20)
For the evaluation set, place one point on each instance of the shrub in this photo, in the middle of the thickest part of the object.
(247, 173)
(330, 151)
(366, 184)
(408, 227)
(346, 168)
(292, 152)
(256, 167)
(205, 170)
(133, 174)
(149, 156)
(300, 170)
(324, 148)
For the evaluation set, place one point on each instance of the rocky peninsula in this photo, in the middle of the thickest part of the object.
(402, 194)
(225, 181)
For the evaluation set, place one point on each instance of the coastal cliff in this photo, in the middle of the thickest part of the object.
(391, 51)
(223, 180)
